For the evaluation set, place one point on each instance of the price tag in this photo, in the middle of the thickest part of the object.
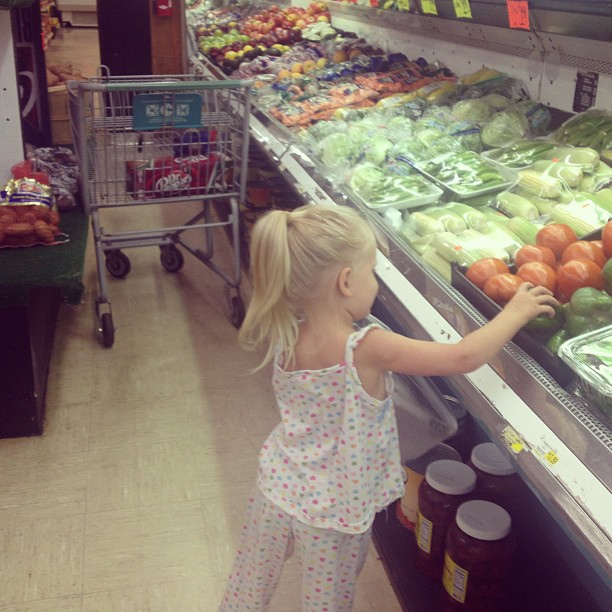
(546, 454)
(403, 5)
(463, 10)
(513, 441)
(518, 14)
(429, 7)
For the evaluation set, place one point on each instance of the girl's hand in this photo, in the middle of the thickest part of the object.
(530, 301)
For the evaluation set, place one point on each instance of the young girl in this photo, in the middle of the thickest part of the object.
(333, 460)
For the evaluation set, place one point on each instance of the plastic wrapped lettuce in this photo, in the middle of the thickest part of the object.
(431, 123)
(477, 111)
(467, 133)
(411, 149)
(496, 101)
(442, 144)
(504, 127)
(377, 149)
(309, 139)
(537, 114)
(399, 128)
(441, 114)
(337, 151)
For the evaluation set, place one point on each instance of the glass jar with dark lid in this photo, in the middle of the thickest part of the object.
(480, 548)
(446, 486)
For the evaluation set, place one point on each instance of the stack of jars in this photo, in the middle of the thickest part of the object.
(464, 531)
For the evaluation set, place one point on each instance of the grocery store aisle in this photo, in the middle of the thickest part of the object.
(133, 498)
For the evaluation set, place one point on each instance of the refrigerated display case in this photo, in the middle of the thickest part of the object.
(562, 449)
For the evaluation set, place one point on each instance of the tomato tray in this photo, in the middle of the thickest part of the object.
(552, 363)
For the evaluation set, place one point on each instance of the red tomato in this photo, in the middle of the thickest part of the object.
(606, 238)
(539, 273)
(578, 273)
(556, 236)
(535, 252)
(483, 269)
(584, 249)
(502, 287)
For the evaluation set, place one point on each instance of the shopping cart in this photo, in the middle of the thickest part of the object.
(161, 141)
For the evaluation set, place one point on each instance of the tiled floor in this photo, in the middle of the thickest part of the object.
(133, 498)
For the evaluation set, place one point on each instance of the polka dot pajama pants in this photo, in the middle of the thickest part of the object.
(330, 561)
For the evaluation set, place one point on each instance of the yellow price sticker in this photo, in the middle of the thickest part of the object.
(429, 7)
(463, 9)
(403, 5)
(513, 441)
(551, 457)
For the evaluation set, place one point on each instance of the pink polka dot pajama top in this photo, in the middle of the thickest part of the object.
(329, 465)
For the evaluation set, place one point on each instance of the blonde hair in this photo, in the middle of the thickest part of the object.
(290, 252)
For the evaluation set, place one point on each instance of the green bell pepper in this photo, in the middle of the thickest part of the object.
(589, 309)
(557, 339)
(543, 327)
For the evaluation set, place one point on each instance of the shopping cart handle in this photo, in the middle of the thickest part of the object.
(149, 85)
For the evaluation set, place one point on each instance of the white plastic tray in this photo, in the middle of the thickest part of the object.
(508, 177)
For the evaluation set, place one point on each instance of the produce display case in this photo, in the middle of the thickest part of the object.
(561, 448)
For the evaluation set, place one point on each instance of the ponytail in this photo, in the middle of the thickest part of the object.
(290, 252)
(269, 318)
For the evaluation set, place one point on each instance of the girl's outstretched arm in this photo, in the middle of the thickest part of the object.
(389, 351)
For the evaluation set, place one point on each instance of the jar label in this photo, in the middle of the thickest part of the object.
(410, 501)
(424, 528)
(454, 579)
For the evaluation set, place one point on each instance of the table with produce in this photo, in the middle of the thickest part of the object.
(468, 171)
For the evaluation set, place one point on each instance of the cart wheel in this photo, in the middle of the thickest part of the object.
(171, 258)
(118, 264)
(107, 329)
(237, 311)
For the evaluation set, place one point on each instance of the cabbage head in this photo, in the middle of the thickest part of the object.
(505, 127)
(337, 149)
(476, 110)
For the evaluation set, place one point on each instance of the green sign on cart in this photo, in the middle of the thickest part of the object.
(153, 111)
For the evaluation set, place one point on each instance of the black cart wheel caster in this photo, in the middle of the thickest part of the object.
(171, 258)
(118, 264)
(107, 330)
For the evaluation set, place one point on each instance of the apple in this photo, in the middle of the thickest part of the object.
(309, 19)
(291, 17)
(301, 23)
(323, 17)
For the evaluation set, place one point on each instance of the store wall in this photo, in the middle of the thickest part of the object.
(10, 124)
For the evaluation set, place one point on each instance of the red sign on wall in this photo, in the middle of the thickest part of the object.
(518, 14)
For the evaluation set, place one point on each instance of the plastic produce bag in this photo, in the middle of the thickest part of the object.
(476, 111)
(504, 127)
(593, 129)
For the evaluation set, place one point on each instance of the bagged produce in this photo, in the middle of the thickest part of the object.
(592, 128)
(504, 127)
(476, 111)
(537, 114)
